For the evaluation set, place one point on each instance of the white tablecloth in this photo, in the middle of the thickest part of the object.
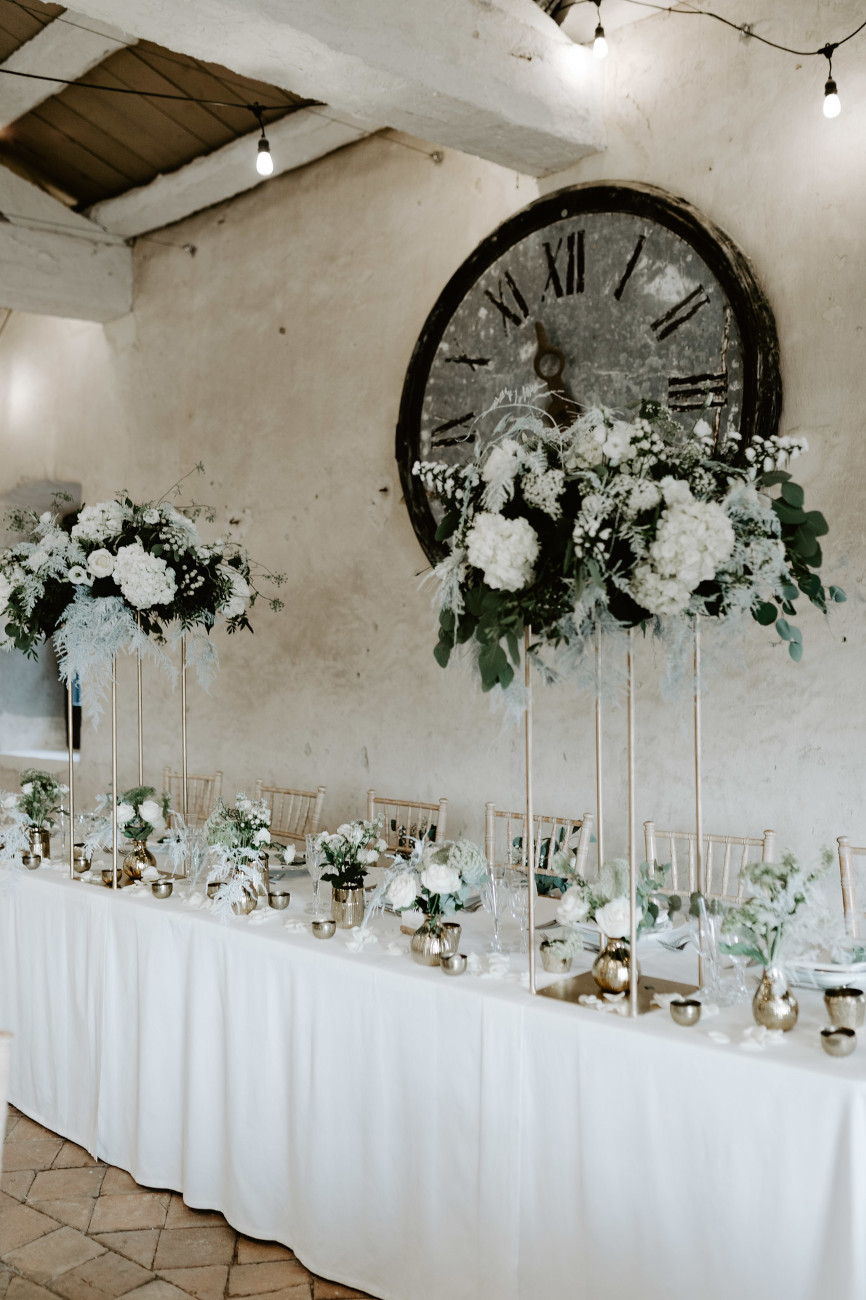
(416, 1136)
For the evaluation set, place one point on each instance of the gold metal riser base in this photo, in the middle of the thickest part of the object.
(578, 986)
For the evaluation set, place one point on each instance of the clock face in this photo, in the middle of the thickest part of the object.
(599, 296)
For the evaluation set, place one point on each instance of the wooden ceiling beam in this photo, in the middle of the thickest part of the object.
(55, 262)
(494, 78)
(295, 140)
(68, 47)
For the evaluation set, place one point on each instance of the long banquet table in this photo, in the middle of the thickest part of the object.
(418, 1137)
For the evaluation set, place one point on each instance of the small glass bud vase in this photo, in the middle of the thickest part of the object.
(426, 944)
(347, 906)
(611, 966)
(137, 859)
(774, 1005)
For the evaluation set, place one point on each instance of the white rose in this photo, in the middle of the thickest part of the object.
(572, 909)
(617, 445)
(27, 787)
(263, 836)
(150, 810)
(439, 878)
(402, 891)
(614, 919)
(158, 827)
(125, 813)
(79, 576)
(368, 855)
(151, 516)
(101, 563)
(345, 830)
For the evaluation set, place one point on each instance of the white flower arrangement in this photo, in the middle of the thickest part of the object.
(616, 524)
(348, 852)
(437, 879)
(776, 893)
(237, 837)
(605, 902)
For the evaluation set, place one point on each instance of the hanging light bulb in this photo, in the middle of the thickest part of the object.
(264, 161)
(832, 102)
(599, 45)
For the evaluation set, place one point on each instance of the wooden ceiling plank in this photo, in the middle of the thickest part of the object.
(98, 139)
(128, 67)
(153, 115)
(64, 158)
(186, 82)
(125, 123)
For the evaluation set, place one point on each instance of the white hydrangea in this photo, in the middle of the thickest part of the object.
(544, 490)
(145, 580)
(505, 550)
(503, 461)
(100, 522)
(589, 434)
(675, 491)
(657, 594)
(240, 597)
(692, 542)
(645, 495)
(617, 445)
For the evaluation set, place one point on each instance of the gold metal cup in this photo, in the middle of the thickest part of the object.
(846, 1007)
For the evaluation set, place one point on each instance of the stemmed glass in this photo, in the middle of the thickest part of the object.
(492, 900)
(315, 865)
(518, 897)
(739, 961)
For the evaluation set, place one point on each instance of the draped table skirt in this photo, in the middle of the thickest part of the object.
(415, 1136)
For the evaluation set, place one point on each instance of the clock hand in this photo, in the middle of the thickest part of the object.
(549, 365)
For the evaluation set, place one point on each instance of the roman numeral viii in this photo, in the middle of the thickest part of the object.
(694, 392)
(573, 269)
(679, 314)
(515, 314)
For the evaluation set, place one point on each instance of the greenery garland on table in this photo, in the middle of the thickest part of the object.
(117, 579)
(615, 524)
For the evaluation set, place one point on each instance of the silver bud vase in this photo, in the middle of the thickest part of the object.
(774, 1005)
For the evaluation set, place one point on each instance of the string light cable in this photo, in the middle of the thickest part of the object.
(832, 102)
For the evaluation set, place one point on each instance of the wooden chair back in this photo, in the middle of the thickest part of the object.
(295, 814)
(847, 852)
(405, 820)
(504, 839)
(723, 858)
(202, 794)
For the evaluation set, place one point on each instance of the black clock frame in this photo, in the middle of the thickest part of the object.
(762, 384)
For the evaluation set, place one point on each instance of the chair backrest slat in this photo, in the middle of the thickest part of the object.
(202, 794)
(505, 841)
(847, 853)
(661, 847)
(405, 820)
(294, 813)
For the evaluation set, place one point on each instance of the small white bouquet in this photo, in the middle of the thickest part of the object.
(436, 879)
(349, 852)
(238, 838)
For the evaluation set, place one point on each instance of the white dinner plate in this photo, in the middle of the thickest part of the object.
(825, 974)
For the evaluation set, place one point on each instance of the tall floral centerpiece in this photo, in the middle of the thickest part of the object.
(348, 853)
(39, 801)
(616, 523)
(141, 814)
(238, 839)
(436, 880)
(776, 895)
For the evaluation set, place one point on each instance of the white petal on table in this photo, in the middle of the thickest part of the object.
(718, 1037)
(358, 941)
(295, 927)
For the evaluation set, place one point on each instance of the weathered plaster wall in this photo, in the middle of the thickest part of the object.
(276, 355)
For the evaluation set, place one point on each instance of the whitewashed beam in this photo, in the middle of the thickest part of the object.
(494, 78)
(55, 262)
(295, 140)
(68, 48)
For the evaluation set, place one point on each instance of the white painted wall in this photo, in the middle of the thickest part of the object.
(346, 257)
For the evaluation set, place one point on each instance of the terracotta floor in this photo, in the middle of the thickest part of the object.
(72, 1226)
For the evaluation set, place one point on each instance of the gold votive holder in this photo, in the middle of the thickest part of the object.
(453, 963)
(279, 899)
(450, 940)
(213, 888)
(846, 1007)
(161, 888)
(31, 861)
(324, 929)
(838, 1042)
(686, 1011)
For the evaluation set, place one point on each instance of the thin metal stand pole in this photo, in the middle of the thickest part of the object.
(184, 791)
(140, 720)
(114, 773)
(699, 812)
(599, 795)
(632, 855)
(71, 781)
(529, 828)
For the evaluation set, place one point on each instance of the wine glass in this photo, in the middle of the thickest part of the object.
(518, 898)
(739, 961)
(493, 901)
(315, 866)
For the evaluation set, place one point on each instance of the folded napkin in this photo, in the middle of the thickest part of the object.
(357, 940)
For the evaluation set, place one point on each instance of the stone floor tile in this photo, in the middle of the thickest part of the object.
(118, 1182)
(75, 1212)
(17, 1182)
(11, 1121)
(181, 1215)
(323, 1290)
(27, 1130)
(261, 1252)
(63, 1184)
(257, 1279)
(75, 1157)
(104, 1278)
(19, 1224)
(124, 1212)
(303, 1291)
(186, 1247)
(53, 1254)
(207, 1282)
(38, 1154)
(21, 1288)
(6, 1276)
(158, 1289)
(139, 1246)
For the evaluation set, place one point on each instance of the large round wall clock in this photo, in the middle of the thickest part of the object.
(600, 295)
